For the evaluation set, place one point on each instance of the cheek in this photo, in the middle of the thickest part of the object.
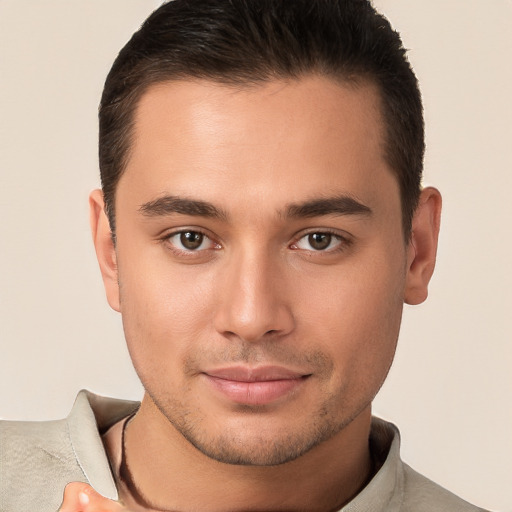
(357, 320)
(164, 313)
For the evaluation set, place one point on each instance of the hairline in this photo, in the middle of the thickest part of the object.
(352, 79)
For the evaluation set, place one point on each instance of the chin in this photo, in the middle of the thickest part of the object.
(255, 451)
(258, 441)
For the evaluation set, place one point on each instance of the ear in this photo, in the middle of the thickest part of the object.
(105, 250)
(422, 247)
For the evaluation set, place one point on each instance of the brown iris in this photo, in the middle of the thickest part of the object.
(319, 241)
(191, 239)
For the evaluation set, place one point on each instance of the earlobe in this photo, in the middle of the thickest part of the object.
(422, 248)
(104, 245)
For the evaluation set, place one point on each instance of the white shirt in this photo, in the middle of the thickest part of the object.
(38, 459)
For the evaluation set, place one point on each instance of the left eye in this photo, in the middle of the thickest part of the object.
(191, 241)
(318, 242)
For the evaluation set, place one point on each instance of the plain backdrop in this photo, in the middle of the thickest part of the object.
(450, 389)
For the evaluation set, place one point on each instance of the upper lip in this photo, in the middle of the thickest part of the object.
(257, 374)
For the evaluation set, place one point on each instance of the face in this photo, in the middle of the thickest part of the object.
(261, 262)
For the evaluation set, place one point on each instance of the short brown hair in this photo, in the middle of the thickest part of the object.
(252, 41)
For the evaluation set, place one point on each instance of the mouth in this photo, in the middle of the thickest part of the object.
(255, 386)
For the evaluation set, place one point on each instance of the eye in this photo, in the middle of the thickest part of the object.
(191, 241)
(318, 241)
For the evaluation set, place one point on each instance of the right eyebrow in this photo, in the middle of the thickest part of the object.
(168, 205)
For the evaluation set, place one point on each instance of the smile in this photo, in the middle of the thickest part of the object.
(255, 386)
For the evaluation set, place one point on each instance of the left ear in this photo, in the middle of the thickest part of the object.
(422, 247)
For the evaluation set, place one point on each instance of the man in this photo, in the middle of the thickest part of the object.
(260, 226)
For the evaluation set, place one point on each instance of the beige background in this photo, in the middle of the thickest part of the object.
(450, 389)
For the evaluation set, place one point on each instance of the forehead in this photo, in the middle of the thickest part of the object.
(304, 137)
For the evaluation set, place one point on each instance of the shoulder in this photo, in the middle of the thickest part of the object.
(422, 495)
(396, 486)
(35, 456)
(39, 458)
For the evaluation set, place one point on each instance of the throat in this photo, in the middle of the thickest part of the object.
(155, 476)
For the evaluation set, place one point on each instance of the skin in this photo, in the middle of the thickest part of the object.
(80, 497)
(259, 291)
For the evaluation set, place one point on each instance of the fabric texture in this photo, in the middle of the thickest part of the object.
(38, 459)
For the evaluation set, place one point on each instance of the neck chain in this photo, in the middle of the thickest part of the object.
(127, 479)
(126, 476)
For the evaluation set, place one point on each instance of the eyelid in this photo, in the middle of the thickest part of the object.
(166, 238)
(344, 238)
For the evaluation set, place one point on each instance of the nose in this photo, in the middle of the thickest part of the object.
(254, 299)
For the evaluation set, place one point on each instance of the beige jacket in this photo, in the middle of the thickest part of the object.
(38, 459)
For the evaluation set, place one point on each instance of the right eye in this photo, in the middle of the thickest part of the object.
(191, 241)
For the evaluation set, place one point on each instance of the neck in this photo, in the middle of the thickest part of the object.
(163, 471)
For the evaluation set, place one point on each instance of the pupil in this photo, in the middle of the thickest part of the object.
(191, 239)
(319, 241)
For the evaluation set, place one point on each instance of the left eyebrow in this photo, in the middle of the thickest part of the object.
(338, 205)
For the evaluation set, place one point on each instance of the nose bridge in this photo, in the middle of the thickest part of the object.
(253, 302)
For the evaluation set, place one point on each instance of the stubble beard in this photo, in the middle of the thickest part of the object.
(274, 448)
(337, 407)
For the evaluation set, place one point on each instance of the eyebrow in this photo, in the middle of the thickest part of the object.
(338, 205)
(168, 205)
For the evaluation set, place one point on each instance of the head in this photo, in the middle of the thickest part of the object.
(261, 166)
(255, 41)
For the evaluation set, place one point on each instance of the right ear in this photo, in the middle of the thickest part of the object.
(105, 249)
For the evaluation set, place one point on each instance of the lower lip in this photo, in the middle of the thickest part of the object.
(255, 393)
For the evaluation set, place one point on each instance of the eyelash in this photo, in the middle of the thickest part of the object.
(343, 242)
(189, 252)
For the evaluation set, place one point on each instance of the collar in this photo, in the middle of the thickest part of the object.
(89, 418)
(386, 489)
(93, 415)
